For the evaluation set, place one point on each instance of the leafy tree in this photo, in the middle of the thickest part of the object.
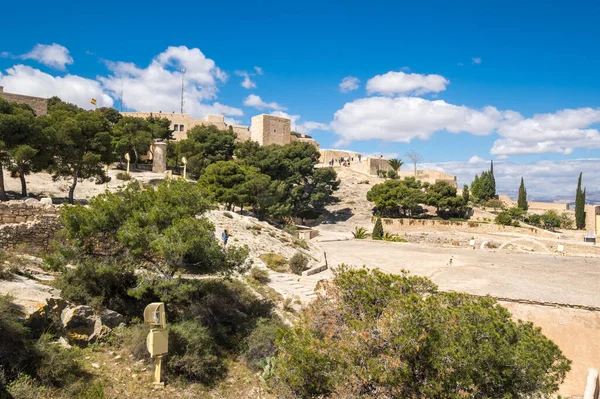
(303, 187)
(494, 203)
(131, 135)
(503, 218)
(224, 181)
(377, 230)
(374, 335)
(112, 115)
(80, 144)
(395, 164)
(522, 200)
(24, 148)
(580, 205)
(161, 228)
(393, 195)
(516, 213)
(465, 194)
(492, 178)
(551, 220)
(535, 220)
(483, 187)
(205, 145)
(160, 128)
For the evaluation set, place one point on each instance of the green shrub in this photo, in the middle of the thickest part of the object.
(360, 233)
(377, 230)
(535, 220)
(377, 335)
(193, 353)
(24, 387)
(298, 263)
(100, 284)
(503, 218)
(551, 220)
(516, 223)
(260, 344)
(392, 174)
(56, 366)
(274, 261)
(566, 222)
(228, 215)
(259, 274)
(300, 243)
(387, 236)
(123, 176)
(16, 355)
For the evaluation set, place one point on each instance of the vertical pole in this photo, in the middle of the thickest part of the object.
(157, 370)
(128, 167)
(106, 183)
(184, 171)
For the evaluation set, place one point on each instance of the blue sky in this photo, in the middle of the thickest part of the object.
(460, 82)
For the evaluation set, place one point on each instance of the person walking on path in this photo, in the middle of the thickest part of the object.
(224, 237)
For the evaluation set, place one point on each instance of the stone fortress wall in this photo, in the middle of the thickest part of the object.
(39, 104)
(371, 164)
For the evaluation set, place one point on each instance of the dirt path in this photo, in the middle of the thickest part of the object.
(543, 278)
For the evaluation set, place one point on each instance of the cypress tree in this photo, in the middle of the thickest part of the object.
(476, 188)
(492, 179)
(377, 230)
(580, 205)
(465, 194)
(522, 201)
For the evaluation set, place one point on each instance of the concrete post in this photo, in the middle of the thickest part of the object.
(159, 157)
(591, 386)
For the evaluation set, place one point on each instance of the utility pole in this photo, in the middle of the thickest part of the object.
(182, 76)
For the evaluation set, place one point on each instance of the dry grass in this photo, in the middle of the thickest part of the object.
(275, 262)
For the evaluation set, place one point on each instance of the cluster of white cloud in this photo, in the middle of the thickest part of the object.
(248, 83)
(544, 180)
(400, 83)
(25, 80)
(256, 102)
(52, 55)
(400, 118)
(349, 83)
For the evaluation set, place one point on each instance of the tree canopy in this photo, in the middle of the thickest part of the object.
(375, 335)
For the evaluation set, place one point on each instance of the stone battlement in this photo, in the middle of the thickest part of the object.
(39, 104)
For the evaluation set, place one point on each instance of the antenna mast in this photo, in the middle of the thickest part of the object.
(182, 75)
(121, 97)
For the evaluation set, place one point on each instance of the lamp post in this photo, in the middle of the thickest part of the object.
(128, 158)
(184, 162)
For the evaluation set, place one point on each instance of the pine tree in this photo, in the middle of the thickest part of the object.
(377, 230)
(580, 205)
(476, 188)
(465, 194)
(492, 179)
(522, 201)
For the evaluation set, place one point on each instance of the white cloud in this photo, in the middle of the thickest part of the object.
(258, 70)
(304, 127)
(394, 83)
(25, 80)
(157, 87)
(247, 83)
(348, 84)
(403, 119)
(476, 60)
(255, 101)
(560, 132)
(52, 55)
(460, 64)
(544, 180)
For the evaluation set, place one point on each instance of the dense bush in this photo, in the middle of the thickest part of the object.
(375, 335)
(274, 261)
(551, 220)
(100, 285)
(503, 218)
(16, 352)
(193, 353)
(298, 263)
(260, 275)
(260, 344)
(56, 366)
(123, 176)
(535, 220)
(377, 230)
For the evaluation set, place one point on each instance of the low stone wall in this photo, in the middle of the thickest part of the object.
(28, 225)
(576, 331)
(25, 211)
(400, 225)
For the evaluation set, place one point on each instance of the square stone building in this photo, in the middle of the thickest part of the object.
(269, 129)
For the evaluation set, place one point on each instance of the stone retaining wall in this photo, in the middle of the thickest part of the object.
(28, 225)
(400, 225)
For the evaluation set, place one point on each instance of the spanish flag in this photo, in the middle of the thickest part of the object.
(93, 101)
